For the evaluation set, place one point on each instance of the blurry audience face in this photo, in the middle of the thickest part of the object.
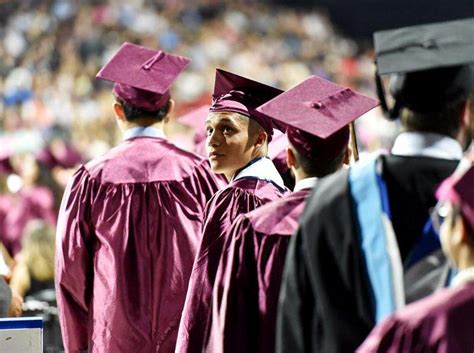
(233, 140)
(25, 165)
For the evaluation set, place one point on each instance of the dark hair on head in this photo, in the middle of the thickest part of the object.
(132, 113)
(446, 122)
(320, 166)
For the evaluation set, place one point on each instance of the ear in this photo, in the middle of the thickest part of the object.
(261, 139)
(170, 112)
(119, 113)
(291, 160)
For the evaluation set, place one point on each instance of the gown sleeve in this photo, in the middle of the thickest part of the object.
(74, 261)
(221, 211)
(392, 335)
(245, 293)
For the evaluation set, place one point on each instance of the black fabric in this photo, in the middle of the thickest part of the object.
(411, 182)
(326, 300)
(426, 46)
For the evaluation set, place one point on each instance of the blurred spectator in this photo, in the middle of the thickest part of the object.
(39, 197)
(34, 269)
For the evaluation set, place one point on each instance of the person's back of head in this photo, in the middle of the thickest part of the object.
(317, 157)
(142, 79)
(432, 76)
(317, 114)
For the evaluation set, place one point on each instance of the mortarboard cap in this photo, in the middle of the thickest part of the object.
(234, 93)
(143, 76)
(459, 190)
(196, 118)
(433, 63)
(316, 113)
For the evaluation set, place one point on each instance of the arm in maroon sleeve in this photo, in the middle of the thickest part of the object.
(235, 294)
(73, 261)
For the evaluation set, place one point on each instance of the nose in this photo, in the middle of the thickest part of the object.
(212, 139)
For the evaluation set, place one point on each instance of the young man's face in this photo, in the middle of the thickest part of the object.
(230, 144)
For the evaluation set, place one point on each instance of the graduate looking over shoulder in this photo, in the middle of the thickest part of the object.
(365, 245)
(245, 293)
(130, 221)
(237, 144)
(443, 322)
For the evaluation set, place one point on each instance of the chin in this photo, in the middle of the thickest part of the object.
(216, 167)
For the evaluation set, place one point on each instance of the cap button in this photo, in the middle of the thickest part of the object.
(317, 105)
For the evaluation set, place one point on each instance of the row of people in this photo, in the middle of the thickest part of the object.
(155, 254)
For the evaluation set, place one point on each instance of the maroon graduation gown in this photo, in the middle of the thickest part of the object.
(128, 231)
(441, 323)
(239, 197)
(6, 205)
(247, 286)
(35, 202)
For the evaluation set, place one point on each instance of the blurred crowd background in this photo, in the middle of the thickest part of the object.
(54, 114)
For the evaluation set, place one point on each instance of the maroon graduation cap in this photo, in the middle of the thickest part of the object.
(316, 113)
(459, 189)
(143, 76)
(196, 118)
(237, 94)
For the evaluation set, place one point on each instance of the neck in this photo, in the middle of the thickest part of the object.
(232, 174)
(129, 125)
(300, 174)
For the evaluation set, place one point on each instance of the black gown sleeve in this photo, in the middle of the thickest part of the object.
(325, 302)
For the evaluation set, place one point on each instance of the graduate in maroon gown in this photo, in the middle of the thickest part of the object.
(38, 198)
(442, 322)
(196, 120)
(237, 143)
(245, 294)
(130, 221)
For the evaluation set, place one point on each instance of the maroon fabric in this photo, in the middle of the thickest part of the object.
(32, 203)
(141, 99)
(317, 106)
(315, 148)
(441, 323)
(5, 166)
(143, 76)
(7, 202)
(196, 118)
(63, 155)
(459, 190)
(238, 94)
(128, 231)
(241, 196)
(247, 286)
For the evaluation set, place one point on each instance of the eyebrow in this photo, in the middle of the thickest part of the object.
(223, 120)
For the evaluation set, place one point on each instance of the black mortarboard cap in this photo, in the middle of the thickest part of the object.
(433, 64)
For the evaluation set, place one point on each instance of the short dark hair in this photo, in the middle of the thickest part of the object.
(445, 122)
(320, 166)
(132, 113)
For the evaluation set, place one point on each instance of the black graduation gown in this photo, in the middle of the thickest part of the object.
(325, 301)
